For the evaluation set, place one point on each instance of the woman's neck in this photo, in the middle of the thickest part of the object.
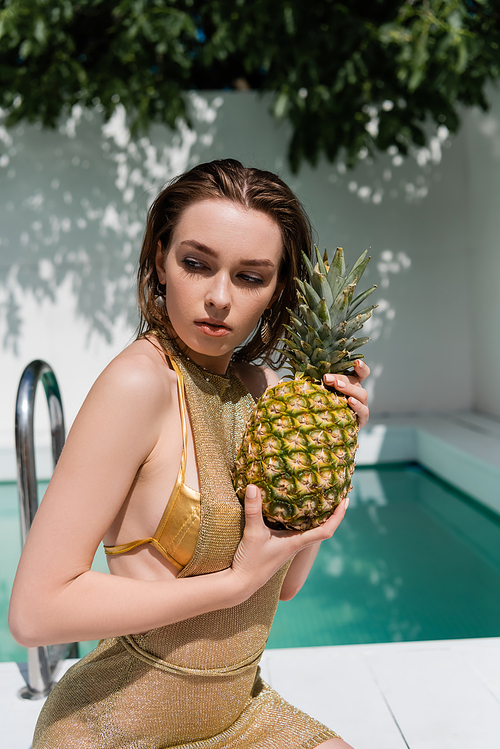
(217, 366)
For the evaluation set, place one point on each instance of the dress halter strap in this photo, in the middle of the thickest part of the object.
(182, 409)
(177, 532)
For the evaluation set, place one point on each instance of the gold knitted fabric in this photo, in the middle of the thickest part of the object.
(194, 684)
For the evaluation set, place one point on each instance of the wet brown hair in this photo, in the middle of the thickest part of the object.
(228, 179)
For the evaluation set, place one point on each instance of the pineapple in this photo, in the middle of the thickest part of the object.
(300, 443)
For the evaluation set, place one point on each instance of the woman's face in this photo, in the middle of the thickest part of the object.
(221, 273)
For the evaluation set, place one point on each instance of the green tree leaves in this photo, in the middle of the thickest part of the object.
(349, 77)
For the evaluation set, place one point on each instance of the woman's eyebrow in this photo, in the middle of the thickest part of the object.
(254, 262)
(201, 247)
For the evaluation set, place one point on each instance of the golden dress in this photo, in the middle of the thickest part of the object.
(194, 684)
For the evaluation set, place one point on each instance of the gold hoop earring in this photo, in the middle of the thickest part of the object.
(265, 329)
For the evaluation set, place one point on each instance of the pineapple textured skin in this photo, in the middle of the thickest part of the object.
(299, 449)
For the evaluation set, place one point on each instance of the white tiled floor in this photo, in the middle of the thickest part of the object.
(422, 695)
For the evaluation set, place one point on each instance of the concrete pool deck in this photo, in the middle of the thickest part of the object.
(410, 695)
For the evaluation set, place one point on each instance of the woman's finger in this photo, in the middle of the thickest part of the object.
(360, 409)
(362, 369)
(328, 528)
(253, 500)
(254, 518)
(253, 503)
(349, 387)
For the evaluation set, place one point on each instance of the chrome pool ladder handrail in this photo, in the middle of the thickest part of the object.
(42, 661)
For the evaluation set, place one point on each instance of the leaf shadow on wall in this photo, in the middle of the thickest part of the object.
(73, 208)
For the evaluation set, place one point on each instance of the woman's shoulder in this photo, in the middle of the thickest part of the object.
(138, 375)
(126, 409)
(256, 378)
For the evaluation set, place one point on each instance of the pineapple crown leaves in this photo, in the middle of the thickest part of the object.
(322, 334)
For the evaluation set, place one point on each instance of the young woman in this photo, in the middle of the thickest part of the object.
(147, 467)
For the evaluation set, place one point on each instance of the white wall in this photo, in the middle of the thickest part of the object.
(483, 147)
(71, 217)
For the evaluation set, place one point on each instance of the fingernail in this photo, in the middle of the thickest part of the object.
(353, 401)
(347, 503)
(329, 378)
(358, 363)
(340, 385)
(251, 491)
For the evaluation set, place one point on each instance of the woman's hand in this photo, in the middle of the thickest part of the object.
(263, 551)
(350, 385)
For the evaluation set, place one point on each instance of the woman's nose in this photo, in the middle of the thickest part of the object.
(218, 293)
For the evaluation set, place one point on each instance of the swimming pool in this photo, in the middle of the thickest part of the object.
(414, 559)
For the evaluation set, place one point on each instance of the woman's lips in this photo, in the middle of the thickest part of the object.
(212, 328)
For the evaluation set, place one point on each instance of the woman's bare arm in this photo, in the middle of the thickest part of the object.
(56, 597)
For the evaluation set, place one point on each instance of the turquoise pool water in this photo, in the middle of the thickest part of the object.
(413, 560)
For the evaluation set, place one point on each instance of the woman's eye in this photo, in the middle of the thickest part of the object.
(191, 264)
(197, 266)
(251, 279)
